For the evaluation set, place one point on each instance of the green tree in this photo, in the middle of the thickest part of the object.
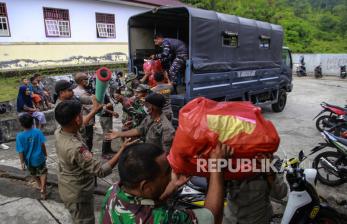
(309, 25)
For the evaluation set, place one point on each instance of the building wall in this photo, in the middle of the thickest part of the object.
(28, 45)
(330, 62)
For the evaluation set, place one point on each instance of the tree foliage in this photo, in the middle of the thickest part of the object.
(311, 26)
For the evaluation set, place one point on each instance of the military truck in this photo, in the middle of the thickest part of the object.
(230, 57)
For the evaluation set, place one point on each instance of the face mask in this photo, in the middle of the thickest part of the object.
(145, 109)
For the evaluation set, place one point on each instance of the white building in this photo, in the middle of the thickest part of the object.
(64, 32)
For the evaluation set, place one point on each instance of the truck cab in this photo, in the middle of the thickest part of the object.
(230, 57)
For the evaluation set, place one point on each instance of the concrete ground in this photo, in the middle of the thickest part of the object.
(19, 200)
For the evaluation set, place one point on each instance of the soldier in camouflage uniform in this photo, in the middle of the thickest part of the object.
(155, 128)
(133, 110)
(76, 165)
(173, 56)
(145, 175)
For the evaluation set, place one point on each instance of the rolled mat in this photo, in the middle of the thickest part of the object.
(103, 76)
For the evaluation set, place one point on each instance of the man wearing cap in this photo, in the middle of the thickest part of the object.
(155, 128)
(81, 92)
(137, 110)
(64, 91)
(133, 108)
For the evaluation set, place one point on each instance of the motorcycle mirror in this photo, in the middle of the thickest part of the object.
(301, 155)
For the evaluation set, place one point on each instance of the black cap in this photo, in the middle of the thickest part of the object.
(156, 100)
(63, 85)
(142, 88)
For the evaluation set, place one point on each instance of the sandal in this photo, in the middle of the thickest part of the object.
(44, 195)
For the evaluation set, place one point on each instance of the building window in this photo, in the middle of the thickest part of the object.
(105, 25)
(264, 42)
(57, 22)
(230, 39)
(4, 28)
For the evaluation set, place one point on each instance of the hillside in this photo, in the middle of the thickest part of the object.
(311, 26)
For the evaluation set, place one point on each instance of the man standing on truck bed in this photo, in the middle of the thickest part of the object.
(173, 56)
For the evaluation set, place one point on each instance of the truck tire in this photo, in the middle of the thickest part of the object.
(281, 101)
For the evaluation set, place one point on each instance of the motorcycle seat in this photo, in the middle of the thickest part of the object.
(337, 107)
(198, 183)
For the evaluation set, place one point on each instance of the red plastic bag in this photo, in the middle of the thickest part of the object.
(204, 122)
(151, 67)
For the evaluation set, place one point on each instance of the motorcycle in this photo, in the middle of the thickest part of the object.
(334, 122)
(301, 70)
(303, 206)
(343, 73)
(193, 193)
(333, 164)
(318, 72)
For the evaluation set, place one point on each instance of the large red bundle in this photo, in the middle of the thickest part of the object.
(151, 67)
(204, 122)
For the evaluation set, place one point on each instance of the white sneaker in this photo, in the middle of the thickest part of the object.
(3, 146)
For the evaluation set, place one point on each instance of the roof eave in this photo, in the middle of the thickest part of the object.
(134, 3)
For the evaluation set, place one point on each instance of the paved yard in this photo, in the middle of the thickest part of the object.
(297, 129)
(295, 126)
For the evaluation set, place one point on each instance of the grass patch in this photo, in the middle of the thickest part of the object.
(9, 88)
(11, 80)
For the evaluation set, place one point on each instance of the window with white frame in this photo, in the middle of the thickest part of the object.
(57, 22)
(4, 28)
(105, 25)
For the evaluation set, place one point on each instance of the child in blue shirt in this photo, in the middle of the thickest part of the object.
(30, 144)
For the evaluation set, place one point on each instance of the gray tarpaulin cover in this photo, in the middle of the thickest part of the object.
(207, 28)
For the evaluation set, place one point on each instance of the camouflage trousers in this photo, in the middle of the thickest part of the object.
(177, 67)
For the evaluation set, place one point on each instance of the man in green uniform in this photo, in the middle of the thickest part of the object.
(136, 110)
(77, 167)
(155, 128)
(133, 111)
(145, 175)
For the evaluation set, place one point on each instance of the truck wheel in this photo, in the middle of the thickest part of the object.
(281, 102)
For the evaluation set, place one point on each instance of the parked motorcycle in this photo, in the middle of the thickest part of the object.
(193, 193)
(303, 206)
(335, 121)
(331, 165)
(301, 70)
(343, 73)
(318, 72)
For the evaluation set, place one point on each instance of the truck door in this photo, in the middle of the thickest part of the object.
(286, 69)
